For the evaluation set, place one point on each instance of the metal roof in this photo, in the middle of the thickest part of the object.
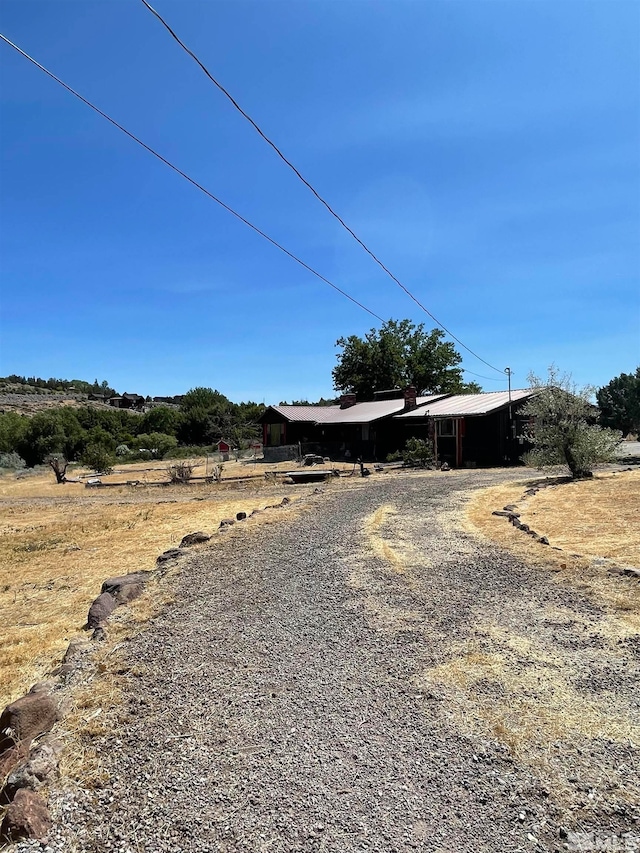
(463, 405)
(308, 414)
(359, 413)
(365, 413)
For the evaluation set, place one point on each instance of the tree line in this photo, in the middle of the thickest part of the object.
(60, 385)
(90, 434)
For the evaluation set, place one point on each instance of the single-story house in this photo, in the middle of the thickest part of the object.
(466, 429)
(349, 430)
(471, 429)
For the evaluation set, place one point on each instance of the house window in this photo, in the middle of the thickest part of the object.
(275, 434)
(445, 427)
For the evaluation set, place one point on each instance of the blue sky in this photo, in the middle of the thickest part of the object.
(488, 151)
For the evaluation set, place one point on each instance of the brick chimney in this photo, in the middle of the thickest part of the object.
(410, 401)
(347, 400)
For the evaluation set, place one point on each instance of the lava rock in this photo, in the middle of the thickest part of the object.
(101, 609)
(126, 587)
(27, 816)
(28, 717)
(194, 539)
(171, 554)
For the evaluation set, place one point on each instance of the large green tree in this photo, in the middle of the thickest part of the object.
(397, 355)
(619, 403)
(562, 427)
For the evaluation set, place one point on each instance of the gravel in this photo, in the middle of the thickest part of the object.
(283, 704)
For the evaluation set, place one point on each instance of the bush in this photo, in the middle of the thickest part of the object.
(12, 460)
(98, 458)
(417, 452)
(181, 472)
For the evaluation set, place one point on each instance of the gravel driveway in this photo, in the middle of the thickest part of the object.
(331, 683)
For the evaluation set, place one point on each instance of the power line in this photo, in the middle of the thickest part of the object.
(310, 187)
(201, 188)
(480, 376)
(189, 179)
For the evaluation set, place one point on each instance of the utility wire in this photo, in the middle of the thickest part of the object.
(480, 376)
(312, 188)
(203, 189)
(189, 179)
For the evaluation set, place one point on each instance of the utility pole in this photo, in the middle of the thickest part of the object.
(507, 370)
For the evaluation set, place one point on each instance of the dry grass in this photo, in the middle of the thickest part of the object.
(519, 688)
(596, 518)
(58, 543)
(590, 518)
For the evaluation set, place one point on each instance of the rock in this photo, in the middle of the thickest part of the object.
(74, 656)
(506, 513)
(44, 686)
(525, 527)
(27, 717)
(194, 539)
(227, 522)
(40, 767)
(516, 523)
(26, 817)
(445, 466)
(99, 635)
(171, 554)
(631, 572)
(543, 540)
(11, 756)
(126, 587)
(285, 501)
(100, 610)
(240, 516)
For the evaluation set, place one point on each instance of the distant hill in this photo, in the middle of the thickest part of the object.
(36, 385)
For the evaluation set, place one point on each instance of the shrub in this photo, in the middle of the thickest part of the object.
(98, 458)
(181, 472)
(417, 452)
(12, 460)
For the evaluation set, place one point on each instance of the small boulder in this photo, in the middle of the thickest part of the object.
(101, 609)
(543, 540)
(171, 554)
(75, 656)
(194, 539)
(285, 501)
(11, 755)
(126, 587)
(240, 516)
(27, 816)
(227, 522)
(28, 717)
(40, 767)
(99, 635)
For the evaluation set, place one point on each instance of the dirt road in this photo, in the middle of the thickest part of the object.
(369, 677)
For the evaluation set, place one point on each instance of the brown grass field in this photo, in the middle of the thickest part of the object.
(59, 542)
